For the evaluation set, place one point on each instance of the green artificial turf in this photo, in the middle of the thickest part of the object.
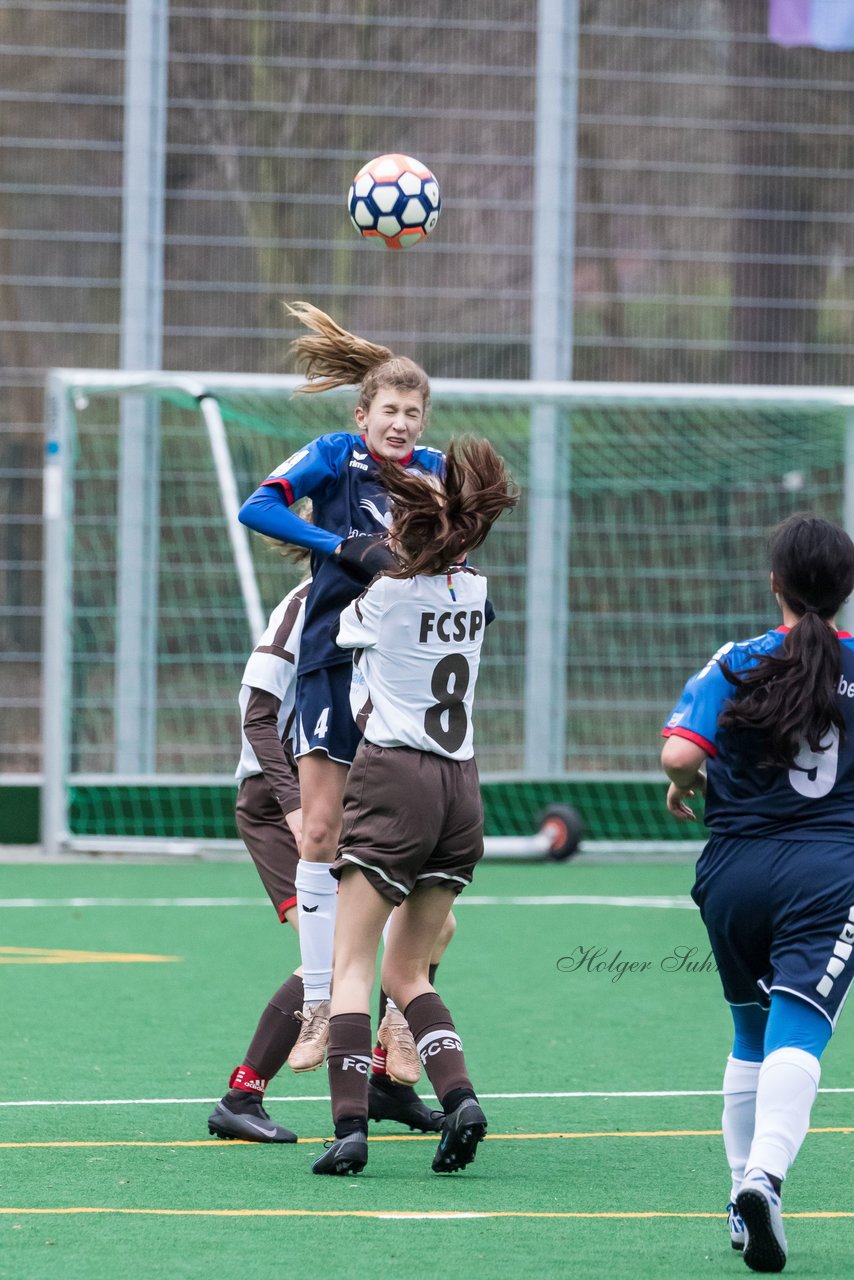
(172, 1029)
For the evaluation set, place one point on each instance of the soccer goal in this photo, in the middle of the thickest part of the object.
(636, 549)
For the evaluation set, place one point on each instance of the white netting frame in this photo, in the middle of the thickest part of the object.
(543, 675)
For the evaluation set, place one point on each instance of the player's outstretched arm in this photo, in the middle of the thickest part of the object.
(260, 724)
(266, 511)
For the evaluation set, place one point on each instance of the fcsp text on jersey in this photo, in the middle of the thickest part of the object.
(449, 625)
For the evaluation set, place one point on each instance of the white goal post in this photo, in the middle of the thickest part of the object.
(636, 548)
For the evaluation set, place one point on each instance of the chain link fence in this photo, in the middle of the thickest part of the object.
(713, 221)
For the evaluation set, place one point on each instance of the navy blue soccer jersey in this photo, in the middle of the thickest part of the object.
(341, 477)
(812, 800)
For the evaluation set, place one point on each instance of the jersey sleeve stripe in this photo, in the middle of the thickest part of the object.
(364, 714)
(289, 619)
(277, 651)
(281, 483)
(709, 747)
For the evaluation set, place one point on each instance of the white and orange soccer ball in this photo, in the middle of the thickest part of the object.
(394, 201)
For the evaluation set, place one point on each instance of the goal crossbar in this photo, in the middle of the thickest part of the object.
(642, 520)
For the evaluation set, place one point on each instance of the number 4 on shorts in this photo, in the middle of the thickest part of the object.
(322, 724)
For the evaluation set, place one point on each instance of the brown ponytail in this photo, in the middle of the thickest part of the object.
(435, 527)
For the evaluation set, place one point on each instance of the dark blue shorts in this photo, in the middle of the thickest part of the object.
(324, 721)
(780, 917)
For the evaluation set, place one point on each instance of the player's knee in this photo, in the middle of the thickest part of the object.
(403, 992)
(319, 839)
(404, 980)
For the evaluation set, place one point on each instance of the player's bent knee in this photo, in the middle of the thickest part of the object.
(404, 983)
(319, 842)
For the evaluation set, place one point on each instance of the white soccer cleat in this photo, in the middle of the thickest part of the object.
(760, 1208)
(737, 1232)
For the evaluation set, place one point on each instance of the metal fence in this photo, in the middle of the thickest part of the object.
(711, 234)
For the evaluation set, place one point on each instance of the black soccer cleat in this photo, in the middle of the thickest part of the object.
(400, 1102)
(344, 1155)
(463, 1129)
(250, 1123)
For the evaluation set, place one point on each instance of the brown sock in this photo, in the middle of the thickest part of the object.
(378, 1064)
(348, 1058)
(438, 1044)
(277, 1030)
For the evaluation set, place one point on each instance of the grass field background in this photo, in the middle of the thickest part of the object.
(128, 1183)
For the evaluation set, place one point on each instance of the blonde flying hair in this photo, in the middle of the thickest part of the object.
(331, 357)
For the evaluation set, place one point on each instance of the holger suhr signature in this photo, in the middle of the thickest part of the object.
(597, 959)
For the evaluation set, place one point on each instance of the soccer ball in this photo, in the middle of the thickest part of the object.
(394, 202)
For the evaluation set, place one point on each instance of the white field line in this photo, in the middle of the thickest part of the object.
(324, 1097)
(679, 903)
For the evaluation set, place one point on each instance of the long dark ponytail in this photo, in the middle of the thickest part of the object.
(435, 526)
(790, 697)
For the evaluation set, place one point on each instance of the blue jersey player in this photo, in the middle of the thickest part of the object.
(348, 543)
(771, 721)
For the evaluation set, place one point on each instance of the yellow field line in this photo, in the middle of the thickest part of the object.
(44, 955)
(397, 1213)
(410, 1137)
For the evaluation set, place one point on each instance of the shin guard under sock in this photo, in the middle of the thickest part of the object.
(316, 902)
(348, 1058)
(788, 1083)
(277, 1030)
(740, 1081)
(438, 1044)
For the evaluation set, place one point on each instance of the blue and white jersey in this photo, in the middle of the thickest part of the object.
(814, 800)
(341, 477)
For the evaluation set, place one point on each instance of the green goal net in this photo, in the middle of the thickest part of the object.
(638, 547)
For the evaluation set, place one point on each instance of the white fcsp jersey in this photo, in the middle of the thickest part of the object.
(420, 640)
(272, 666)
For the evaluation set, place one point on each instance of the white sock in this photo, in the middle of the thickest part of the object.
(740, 1081)
(317, 899)
(788, 1083)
